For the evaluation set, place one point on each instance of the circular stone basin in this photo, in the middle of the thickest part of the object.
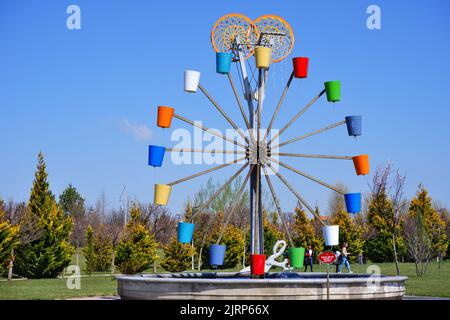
(275, 286)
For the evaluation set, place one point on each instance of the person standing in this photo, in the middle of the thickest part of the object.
(344, 258)
(309, 258)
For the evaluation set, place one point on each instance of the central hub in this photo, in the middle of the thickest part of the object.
(258, 154)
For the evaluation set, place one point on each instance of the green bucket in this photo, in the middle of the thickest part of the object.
(296, 257)
(333, 89)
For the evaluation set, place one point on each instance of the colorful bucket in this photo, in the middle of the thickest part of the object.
(191, 80)
(217, 254)
(362, 165)
(300, 67)
(333, 89)
(353, 125)
(257, 264)
(263, 57)
(353, 202)
(223, 62)
(155, 155)
(162, 193)
(165, 115)
(185, 232)
(331, 235)
(296, 257)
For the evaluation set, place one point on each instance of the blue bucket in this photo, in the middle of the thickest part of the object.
(155, 155)
(353, 125)
(223, 62)
(353, 202)
(185, 232)
(216, 254)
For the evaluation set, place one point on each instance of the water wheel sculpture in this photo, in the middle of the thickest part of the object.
(270, 39)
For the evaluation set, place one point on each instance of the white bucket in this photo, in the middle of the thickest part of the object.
(191, 80)
(331, 235)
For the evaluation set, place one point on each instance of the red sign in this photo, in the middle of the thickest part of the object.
(327, 257)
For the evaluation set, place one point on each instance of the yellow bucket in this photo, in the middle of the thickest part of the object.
(162, 193)
(263, 57)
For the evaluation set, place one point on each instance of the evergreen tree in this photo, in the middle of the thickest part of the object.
(272, 233)
(137, 250)
(88, 250)
(177, 256)
(51, 252)
(304, 233)
(379, 247)
(9, 239)
(349, 233)
(434, 225)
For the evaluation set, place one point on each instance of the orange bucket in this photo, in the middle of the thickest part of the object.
(165, 115)
(361, 163)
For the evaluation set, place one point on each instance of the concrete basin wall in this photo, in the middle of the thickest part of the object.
(311, 286)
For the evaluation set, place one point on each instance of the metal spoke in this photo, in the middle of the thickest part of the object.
(307, 176)
(296, 194)
(318, 156)
(241, 108)
(217, 134)
(297, 116)
(223, 113)
(277, 205)
(234, 204)
(205, 172)
(216, 194)
(278, 106)
(204, 151)
(331, 126)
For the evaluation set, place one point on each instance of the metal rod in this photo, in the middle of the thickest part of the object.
(215, 195)
(308, 176)
(205, 172)
(303, 155)
(217, 134)
(331, 126)
(297, 116)
(241, 108)
(204, 151)
(223, 113)
(278, 106)
(296, 194)
(234, 204)
(277, 205)
(258, 208)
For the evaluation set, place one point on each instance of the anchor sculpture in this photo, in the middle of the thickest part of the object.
(272, 260)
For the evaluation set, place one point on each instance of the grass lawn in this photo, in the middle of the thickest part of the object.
(436, 282)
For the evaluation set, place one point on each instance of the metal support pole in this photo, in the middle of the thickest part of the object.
(205, 172)
(307, 176)
(296, 194)
(216, 133)
(297, 116)
(216, 194)
(331, 126)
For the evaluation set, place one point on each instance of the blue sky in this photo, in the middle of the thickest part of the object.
(78, 95)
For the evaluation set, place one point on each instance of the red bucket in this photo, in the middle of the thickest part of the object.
(257, 263)
(300, 67)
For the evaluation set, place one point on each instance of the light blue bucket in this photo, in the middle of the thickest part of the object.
(185, 232)
(223, 62)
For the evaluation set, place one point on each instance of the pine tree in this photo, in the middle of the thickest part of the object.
(434, 225)
(177, 256)
(51, 252)
(137, 250)
(304, 233)
(271, 232)
(9, 239)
